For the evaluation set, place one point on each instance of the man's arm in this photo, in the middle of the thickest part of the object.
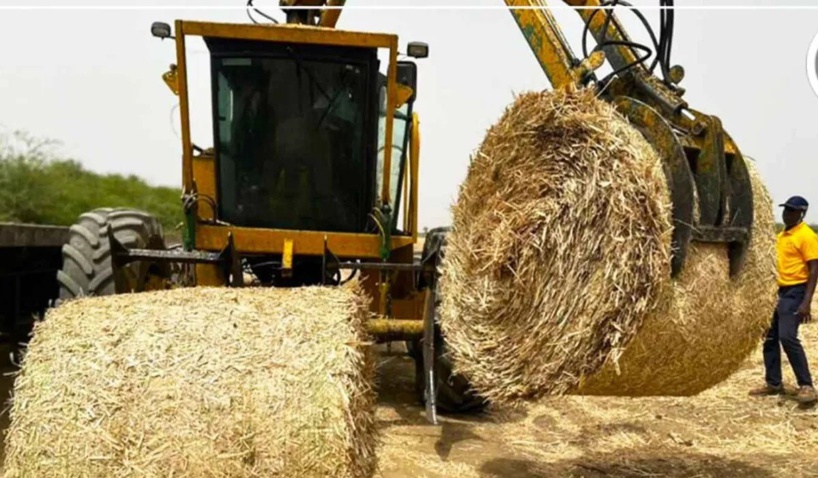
(804, 309)
(809, 251)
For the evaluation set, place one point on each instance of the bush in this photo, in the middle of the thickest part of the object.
(38, 187)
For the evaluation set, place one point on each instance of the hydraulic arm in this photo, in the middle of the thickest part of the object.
(704, 168)
(313, 12)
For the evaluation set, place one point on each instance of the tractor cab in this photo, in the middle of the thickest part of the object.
(313, 135)
(300, 135)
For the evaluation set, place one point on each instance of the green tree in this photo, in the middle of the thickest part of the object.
(38, 186)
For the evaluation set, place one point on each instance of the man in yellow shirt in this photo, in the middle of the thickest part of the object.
(797, 263)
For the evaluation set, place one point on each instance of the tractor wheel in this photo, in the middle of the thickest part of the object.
(87, 266)
(454, 393)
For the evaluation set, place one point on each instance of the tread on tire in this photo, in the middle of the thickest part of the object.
(87, 268)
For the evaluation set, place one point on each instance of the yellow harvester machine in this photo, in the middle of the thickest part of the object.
(313, 174)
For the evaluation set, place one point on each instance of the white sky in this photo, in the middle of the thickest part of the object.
(91, 79)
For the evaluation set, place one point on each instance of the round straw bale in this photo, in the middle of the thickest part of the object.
(711, 324)
(560, 246)
(199, 382)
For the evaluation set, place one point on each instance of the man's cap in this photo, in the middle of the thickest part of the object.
(796, 202)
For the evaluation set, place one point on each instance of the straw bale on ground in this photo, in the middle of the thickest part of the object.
(560, 246)
(197, 382)
(556, 277)
(710, 326)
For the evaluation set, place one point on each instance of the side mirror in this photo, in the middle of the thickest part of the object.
(417, 49)
(407, 74)
(161, 30)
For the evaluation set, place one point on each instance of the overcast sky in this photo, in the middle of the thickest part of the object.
(92, 80)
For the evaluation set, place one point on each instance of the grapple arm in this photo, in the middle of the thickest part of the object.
(706, 173)
(544, 37)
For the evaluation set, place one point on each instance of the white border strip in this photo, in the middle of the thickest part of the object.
(406, 7)
(812, 64)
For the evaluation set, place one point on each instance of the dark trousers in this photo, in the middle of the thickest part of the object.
(784, 331)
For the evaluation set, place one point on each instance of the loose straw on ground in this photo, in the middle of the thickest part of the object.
(197, 382)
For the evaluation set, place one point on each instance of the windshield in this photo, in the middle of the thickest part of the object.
(400, 129)
(292, 133)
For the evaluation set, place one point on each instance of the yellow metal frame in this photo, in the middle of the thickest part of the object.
(196, 172)
(252, 240)
(413, 179)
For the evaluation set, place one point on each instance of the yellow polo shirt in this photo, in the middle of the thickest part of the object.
(793, 249)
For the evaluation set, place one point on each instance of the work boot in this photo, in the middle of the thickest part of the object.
(806, 394)
(767, 389)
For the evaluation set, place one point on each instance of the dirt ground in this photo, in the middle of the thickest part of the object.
(719, 433)
(722, 432)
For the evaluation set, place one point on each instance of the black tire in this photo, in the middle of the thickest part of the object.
(87, 268)
(454, 392)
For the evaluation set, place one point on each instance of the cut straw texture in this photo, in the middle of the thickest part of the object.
(556, 277)
(559, 249)
(200, 382)
(710, 326)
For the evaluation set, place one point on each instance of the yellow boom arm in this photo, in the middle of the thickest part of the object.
(313, 12)
(546, 41)
(702, 163)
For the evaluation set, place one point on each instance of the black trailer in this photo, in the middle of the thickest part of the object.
(30, 256)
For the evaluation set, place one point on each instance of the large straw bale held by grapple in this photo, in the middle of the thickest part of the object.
(560, 246)
(711, 324)
(199, 382)
(559, 259)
